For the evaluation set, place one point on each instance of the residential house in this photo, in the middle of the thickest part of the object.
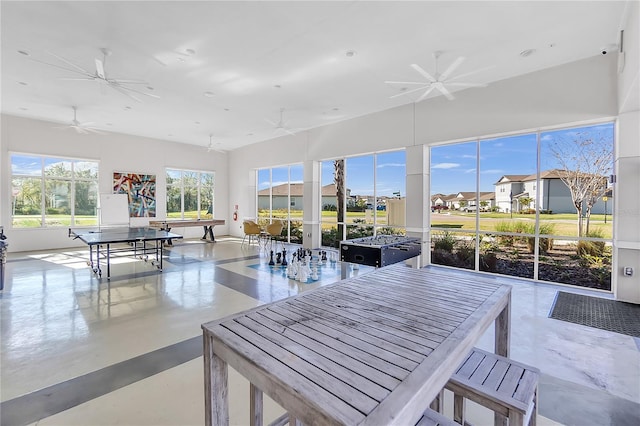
(291, 194)
(513, 192)
(470, 200)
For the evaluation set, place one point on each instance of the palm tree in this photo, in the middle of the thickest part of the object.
(525, 201)
(338, 179)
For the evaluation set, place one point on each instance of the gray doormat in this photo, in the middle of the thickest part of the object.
(605, 314)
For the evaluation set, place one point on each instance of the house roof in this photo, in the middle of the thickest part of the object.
(511, 178)
(297, 190)
(470, 196)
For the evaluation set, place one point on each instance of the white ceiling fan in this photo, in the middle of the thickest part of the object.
(99, 75)
(438, 81)
(212, 147)
(280, 125)
(82, 128)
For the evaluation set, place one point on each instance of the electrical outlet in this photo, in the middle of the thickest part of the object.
(627, 271)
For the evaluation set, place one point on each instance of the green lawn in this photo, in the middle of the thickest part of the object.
(564, 224)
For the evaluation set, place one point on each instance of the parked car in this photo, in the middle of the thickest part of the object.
(468, 209)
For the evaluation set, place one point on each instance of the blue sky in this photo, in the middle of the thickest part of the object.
(453, 167)
(390, 174)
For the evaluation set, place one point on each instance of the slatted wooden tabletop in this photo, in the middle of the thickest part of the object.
(374, 349)
(184, 223)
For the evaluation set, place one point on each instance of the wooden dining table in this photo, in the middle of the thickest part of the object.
(375, 349)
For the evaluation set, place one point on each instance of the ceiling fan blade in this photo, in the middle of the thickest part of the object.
(100, 69)
(129, 89)
(423, 73)
(119, 89)
(271, 122)
(466, 84)
(79, 129)
(445, 92)
(410, 91)
(467, 74)
(119, 81)
(86, 123)
(96, 131)
(426, 93)
(446, 73)
(62, 68)
(77, 79)
(290, 132)
(405, 82)
(66, 61)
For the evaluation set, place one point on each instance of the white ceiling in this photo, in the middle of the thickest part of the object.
(240, 51)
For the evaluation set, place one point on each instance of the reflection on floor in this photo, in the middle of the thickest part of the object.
(77, 350)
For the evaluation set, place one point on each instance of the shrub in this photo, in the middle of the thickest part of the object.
(444, 241)
(505, 226)
(488, 262)
(546, 244)
(443, 257)
(466, 253)
(592, 248)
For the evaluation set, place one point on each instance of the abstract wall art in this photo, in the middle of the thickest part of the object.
(141, 190)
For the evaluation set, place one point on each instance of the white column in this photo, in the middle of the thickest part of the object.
(312, 208)
(418, 203)
(626, 211)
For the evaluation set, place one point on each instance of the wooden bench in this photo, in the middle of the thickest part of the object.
(429, 418)
(507, 387)
(207, 224)
(433, 418)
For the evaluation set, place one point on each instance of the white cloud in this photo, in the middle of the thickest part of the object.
(391, 165)
(470, 171)
(445, 166)
(492, 171)
(546, 138)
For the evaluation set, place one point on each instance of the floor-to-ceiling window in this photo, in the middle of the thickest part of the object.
(363, 196)
(190, 194)
(536, 205)
(280, 193)
(49, 192)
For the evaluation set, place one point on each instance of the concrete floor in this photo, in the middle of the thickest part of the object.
(78, 350)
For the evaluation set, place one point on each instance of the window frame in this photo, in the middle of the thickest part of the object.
(198, 186)
(44, 178)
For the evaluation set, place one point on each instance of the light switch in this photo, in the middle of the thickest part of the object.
(627, 271)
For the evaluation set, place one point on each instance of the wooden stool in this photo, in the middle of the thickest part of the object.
(433, 418)
(507, 387)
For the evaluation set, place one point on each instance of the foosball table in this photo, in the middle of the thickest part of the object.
(378, 251)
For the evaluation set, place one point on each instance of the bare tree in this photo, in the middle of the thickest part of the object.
(338, 179)
(585, 161)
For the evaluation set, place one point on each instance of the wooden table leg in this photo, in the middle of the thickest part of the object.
(503, 330)
(255, 409)
(502, 345)
(216, 387)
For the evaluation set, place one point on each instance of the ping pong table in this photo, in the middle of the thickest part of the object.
(136, 242)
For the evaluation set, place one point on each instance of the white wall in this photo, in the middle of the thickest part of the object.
(627, 165)
(115, 152)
